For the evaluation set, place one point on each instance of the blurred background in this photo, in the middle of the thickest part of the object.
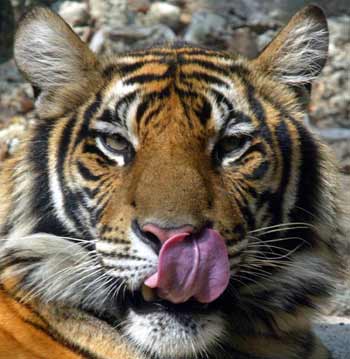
(243, 26)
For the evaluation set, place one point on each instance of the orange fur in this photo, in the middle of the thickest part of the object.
(24, 335)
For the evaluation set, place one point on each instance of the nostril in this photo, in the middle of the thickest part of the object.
(156, 236)
(163, 234)
(147, 237)
(153, 240)
(155, 231)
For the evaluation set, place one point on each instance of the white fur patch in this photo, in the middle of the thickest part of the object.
(139, 260)
(59, 270)
(180, 337)
(58, 200)
(299, 59)
(116, 91)
(119, 159)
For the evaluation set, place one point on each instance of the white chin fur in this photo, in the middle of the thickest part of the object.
(175, 337)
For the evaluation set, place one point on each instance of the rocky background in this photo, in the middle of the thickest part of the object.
(243, 26)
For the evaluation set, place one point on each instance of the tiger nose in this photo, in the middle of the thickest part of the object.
(155, 236)
(163, 234)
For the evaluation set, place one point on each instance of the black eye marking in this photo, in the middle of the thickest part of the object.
(230, 145)
(116, 145)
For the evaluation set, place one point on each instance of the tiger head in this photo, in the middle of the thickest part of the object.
(180, 184)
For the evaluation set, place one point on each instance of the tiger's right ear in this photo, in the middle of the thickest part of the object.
(298, 53)
(56, 62)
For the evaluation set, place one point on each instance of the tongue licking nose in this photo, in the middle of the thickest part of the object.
(191, 266)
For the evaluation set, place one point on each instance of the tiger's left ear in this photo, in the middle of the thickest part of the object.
(55, 61)
(298, 53)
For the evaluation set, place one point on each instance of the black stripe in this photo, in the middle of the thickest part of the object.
(148, 100)
(206, 65)
(202, 76)
(88, 115)
(125, 69)
(101, 205)
(285, 147)
(91, 193)
(257, 147)
(309, 184)
(63, 146)
(185, 93)
(186, 110)
(69, 201)
(91, 148)
(86, 173)
(221, 98)
(118, 255)
(259, 171)
(152, 114)
(141, 109)
(205, 52)
(204, 113)
(108, 117)
(42, 203)
(247, 214)
(124, 101)
(255, 104)
(240, 70)
(101, 200)
(144, 78)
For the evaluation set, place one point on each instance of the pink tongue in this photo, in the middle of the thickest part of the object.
(192, 267)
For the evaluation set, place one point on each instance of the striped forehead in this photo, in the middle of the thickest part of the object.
(125, 94)
(122, 100)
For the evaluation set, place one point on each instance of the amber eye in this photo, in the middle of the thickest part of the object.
(116, 147)
(115, 143)
(233, 146)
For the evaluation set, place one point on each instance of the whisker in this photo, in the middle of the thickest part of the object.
(281, 225)
(284, 229)
(58, 278)
(254, 282)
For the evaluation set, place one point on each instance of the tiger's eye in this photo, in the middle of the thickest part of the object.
(116, 143)
(229, 144)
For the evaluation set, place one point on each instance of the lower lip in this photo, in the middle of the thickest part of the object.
(138, 304)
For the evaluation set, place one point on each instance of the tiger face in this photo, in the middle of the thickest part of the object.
(175, 192)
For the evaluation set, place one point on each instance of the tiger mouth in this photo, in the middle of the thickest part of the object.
(116, 312)
(145, 301)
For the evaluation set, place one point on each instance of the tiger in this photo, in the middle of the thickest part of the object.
(168, 202)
